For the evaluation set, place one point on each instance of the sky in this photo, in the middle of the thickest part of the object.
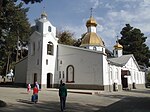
(111, 16)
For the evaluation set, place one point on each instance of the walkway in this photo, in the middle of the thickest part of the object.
(18, 100)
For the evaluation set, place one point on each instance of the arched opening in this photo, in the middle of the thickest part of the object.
(70, 74)
(49, 80)
(50, 48)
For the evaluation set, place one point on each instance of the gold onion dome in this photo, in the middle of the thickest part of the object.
(91, 39)
(91, 22)
(43, 15)
(118, 46)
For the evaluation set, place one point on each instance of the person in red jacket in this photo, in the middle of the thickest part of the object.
(35, 94)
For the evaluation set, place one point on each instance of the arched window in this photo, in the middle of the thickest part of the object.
(50, 48)
(49, 28)
(70, 74)
(116, 52)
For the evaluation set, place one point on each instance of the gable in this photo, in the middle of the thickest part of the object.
(132, 63)
(125, 60)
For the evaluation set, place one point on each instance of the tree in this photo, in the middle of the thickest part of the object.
(32, 1)
(14, 28)
(3, 3)
(66, 38)
(78, 42)
(133, 42)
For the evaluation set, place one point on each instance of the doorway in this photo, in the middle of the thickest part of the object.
(124, 78)
(49, 80)
(35, 78)
(124, 82)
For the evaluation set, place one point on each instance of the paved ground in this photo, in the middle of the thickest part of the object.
(18, 100)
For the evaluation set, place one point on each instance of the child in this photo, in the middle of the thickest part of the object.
(28, 88)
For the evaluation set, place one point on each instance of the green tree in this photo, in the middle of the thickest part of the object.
(133, 42)
(78, 42)
(32, 1)
(14, 28)
(66, 37)
(3, 3)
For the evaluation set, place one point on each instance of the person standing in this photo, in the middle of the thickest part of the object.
(62, 95)
(35, 94)
(37, 85)
(28, 88)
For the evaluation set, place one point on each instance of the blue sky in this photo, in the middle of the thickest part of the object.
(111, 16)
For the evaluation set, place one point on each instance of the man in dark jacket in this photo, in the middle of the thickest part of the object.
(62, 95)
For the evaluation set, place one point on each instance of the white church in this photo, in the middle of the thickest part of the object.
(84, 67)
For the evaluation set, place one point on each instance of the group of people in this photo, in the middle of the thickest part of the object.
(34, 97)
(62, 94)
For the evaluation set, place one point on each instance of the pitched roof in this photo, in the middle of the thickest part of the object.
(122, 60)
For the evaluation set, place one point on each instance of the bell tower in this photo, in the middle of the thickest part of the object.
(42, 52)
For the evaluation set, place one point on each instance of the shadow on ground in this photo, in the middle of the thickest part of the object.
(2, 104)
(132, 104)
(45, 106)
(139, 91)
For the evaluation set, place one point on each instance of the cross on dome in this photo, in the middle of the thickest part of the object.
(44, 15)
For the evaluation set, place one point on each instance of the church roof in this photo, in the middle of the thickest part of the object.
(82, 49)
(92, 38)
(122, 60)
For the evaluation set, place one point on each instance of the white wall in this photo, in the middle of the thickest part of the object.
(88, 64)
(137, 76)
(37, 57)
(33, 65)
(50, 68)
(114, 75)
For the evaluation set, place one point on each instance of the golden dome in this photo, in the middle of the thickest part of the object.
(118, 46)
(91, 39)
(91, 22)
(43, 15)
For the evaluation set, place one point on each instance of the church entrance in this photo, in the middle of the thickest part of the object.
(124, 78)
(35, 78)
(49, 80)
(124, 82)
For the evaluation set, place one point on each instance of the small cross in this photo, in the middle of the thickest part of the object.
(117, 38)
(91, 11)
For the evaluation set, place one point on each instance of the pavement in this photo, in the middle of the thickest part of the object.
(18, 100)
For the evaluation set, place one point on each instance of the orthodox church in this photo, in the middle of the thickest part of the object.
(84, 67)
